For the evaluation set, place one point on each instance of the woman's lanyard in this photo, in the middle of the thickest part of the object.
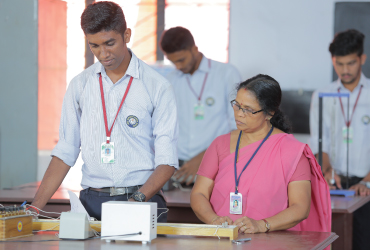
(204, 84)
(237, 179)
(348, 123)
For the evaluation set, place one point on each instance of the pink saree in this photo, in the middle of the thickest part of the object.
(265, 181)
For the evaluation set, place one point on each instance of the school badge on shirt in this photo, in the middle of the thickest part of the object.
(210, 101)
(365, 119)
(132, 121)
(107, 152)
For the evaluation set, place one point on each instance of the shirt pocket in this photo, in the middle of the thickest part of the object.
(134, 122)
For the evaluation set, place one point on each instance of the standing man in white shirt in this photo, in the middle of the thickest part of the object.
(348, 58)
(120, 104)
(203, 89)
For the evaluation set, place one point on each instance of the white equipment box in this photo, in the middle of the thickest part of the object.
(125, 217)
(74, 226)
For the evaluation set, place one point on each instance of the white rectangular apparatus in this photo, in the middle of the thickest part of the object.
(124, 217)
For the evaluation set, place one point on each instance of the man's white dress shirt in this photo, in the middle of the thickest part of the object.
(333, 122)
(220, 88)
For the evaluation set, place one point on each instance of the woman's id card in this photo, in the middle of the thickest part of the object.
(236, 203)
(198, 111)
(107, 152)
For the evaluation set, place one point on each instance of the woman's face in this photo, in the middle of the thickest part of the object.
(247, 121)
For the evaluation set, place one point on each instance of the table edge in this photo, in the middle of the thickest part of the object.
(322, 245)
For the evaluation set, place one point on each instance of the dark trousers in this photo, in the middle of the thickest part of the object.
(92, 201)
(361, 220)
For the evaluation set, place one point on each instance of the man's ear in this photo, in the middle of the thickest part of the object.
(363, 59)
(194, 50)
(127, 35)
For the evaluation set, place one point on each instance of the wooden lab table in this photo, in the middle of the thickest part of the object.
(342, 219)
(342, 214)
(180, 211)
(273, 240)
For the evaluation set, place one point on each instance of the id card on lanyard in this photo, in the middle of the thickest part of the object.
(347, 130)
(198, 107)
(236, 198)
(107, 148)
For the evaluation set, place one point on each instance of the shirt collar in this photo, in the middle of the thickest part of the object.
(205, 64)
(363, 81)
(132, 70)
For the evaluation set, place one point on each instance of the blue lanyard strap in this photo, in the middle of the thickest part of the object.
(237, 179)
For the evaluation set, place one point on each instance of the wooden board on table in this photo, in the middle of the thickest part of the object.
(230, 232)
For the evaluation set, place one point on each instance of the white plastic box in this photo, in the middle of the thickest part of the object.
(74, 226)
(124, 217)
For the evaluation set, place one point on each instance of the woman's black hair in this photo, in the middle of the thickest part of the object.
(268, 93)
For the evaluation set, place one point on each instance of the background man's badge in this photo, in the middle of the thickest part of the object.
(365, 119)
(132, 121)
(210, 101)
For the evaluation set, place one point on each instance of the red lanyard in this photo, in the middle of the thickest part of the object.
(348, 123)
(204, 84)
(108, 132)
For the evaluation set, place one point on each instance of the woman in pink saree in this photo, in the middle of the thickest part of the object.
(273, 182)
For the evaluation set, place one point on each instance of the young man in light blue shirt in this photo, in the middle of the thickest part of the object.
(120, 104)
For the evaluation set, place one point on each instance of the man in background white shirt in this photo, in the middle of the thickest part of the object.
(348, 58)
(203, 89)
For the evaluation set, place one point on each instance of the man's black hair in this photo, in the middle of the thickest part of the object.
(176, 39)
(347, 42)
(103, 16)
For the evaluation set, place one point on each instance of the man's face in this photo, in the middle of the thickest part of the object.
(348, 67)
(109, 47)
(184, 60)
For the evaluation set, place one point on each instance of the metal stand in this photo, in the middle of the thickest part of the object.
(321, 95)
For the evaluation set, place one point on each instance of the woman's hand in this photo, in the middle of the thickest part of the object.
(218, 220)
(249, 226)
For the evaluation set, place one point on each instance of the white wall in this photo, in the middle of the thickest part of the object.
(286, 39)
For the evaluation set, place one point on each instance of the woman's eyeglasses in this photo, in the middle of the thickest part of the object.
(236, 106)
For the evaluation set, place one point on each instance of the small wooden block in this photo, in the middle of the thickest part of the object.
(15, 227)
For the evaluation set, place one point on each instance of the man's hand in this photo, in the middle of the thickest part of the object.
(328, 177)
(360, 189)
(190, 168)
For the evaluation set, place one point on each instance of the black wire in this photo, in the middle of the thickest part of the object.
(92, 238)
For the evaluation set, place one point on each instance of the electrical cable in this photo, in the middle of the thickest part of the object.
(41, 215)
(162, 212)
